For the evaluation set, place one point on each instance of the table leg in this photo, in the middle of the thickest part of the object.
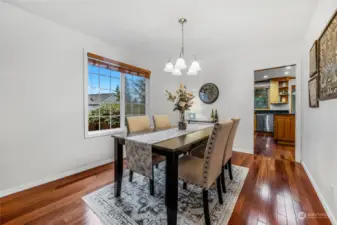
(171, 187)
(118, 167)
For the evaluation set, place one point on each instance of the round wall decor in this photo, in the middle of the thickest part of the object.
(208, 93)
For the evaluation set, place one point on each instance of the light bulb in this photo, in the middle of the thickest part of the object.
(192, 72)
(195, 65)
(176, 72)
(180, 64)
(168, 67)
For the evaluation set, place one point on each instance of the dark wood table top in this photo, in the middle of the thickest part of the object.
(180, 142)
(173, 144)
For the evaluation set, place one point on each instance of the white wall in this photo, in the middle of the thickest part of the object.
(233, 73)
(41, 94)
(319, 125)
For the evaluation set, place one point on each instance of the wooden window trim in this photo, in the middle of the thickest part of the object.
(118, 66)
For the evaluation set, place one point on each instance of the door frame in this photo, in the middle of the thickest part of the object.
(298, 114)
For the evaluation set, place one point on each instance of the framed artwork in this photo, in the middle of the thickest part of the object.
(327, 69)
(313, 60)
(313, 85)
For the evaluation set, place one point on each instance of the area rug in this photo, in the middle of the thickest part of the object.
(137, 207)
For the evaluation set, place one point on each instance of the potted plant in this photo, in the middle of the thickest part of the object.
(182, 102)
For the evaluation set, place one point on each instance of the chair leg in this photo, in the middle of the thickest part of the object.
(226, 166)
(185, 186)
(206, 210)
(223, 180)
(230, 168)
(218, 184)
(151, 187)
(130, 176)
(157, 166)
(152, 183)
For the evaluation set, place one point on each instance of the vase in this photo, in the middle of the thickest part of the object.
(182, 125)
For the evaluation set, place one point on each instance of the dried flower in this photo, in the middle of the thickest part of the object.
(182, 99)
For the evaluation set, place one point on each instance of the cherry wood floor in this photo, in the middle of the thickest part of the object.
(275, 191)
(265, 145)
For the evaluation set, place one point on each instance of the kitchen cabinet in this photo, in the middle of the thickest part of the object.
(285, 128)
(274, 95)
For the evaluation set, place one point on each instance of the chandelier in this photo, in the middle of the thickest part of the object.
(180, 63)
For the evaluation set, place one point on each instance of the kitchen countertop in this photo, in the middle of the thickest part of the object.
(271, 111)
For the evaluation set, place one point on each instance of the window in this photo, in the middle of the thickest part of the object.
(114, 91)
(135, 95)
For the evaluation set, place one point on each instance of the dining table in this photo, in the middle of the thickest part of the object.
(171, 148)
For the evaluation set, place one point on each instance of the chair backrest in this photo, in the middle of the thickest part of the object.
(138, 123)
(161, 122)
(138, 157)
(230, 143)
(214, 152)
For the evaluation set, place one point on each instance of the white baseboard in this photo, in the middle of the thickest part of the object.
(320, 196)
(53, 178)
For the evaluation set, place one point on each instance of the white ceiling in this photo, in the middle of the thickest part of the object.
(152, 24)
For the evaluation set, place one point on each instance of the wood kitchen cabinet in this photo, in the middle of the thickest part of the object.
(274, 95)
(284, 128)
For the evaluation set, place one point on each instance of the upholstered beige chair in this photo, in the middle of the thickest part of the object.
(140, 124)
(161, 122)
(200, 151)
(205, 172)
(227, 160)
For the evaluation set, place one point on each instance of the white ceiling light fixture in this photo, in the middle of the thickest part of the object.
(176, 72)
(180, 63)
(169, 66)
(286, 72)
(265, 76)
(288, 67)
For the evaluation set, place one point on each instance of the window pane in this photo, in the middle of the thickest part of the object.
(115, 109)
(93, 124)
(115, 122)
(93, 102)
(104, 110)
(104, 71)
(92, 81)
(135, 95)
(115, 74)
(115, 90)
(93, 69)
(105, 123)
(104, 82)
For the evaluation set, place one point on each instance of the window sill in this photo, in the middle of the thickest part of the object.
(93, 134)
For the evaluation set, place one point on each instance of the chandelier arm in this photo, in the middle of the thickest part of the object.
(182, 38)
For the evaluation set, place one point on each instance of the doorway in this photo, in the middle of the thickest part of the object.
(275, 112)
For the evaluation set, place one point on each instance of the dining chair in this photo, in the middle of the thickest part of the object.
(207, 171)
(161, 122)
(227, 159)
(140, 124)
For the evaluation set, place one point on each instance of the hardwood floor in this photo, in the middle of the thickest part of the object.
(274, 192)
(265, 145)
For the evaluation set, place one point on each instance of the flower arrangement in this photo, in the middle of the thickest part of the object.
(182, 100)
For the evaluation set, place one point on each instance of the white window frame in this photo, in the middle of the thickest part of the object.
(92, 134)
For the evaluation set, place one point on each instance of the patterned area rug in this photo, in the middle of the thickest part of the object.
(137, 207)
